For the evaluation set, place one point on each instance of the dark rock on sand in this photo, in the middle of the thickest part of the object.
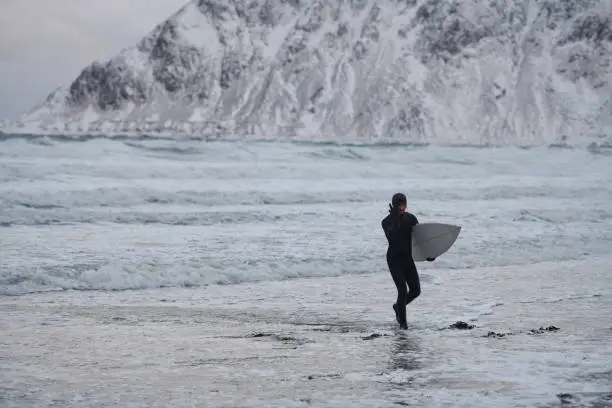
(461, 326)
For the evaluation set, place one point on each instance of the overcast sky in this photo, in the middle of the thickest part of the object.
(46, 43)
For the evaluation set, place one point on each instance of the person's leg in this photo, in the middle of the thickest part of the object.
(399, 278)
(413, 281)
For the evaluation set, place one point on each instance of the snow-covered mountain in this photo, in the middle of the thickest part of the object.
(470, 71)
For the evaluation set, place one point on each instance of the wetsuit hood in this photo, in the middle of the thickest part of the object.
(398, 198)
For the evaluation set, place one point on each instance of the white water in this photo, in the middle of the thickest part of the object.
(116, 250)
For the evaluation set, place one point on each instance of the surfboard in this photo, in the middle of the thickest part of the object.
(432, 239)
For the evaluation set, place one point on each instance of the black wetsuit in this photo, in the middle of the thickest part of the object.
(398, 229)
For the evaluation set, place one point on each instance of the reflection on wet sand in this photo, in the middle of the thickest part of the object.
(405, 352)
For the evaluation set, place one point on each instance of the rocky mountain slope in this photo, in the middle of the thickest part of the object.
(470, 71)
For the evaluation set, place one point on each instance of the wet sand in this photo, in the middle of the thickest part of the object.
(325, 342)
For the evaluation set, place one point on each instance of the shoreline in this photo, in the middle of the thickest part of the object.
(316, 342)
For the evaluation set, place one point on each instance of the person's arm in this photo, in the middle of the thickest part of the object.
(392, 226)
(385, 228)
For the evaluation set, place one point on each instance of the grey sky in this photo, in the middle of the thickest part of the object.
(45, 43)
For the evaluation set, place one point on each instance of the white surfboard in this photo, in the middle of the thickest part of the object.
(432, 239)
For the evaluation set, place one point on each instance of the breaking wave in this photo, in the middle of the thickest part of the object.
(106, 214)
(602, 146)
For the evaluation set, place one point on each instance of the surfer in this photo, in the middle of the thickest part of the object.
(398, 230)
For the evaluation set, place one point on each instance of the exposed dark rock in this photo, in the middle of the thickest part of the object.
(543, 330)
(216, 8)
(108, 86)
(586, 399)
(445, 32)
(556, 12)
(232, 67)
(461, 326)
(315, 376)
(498, 335)
(173, 62)
(408, 121)
(595, 28)
(374, 336)
(278, 337)
(313, 21)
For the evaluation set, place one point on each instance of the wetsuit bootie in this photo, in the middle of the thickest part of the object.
(396, 314)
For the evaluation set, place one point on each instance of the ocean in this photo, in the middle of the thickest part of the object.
(143, 272)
